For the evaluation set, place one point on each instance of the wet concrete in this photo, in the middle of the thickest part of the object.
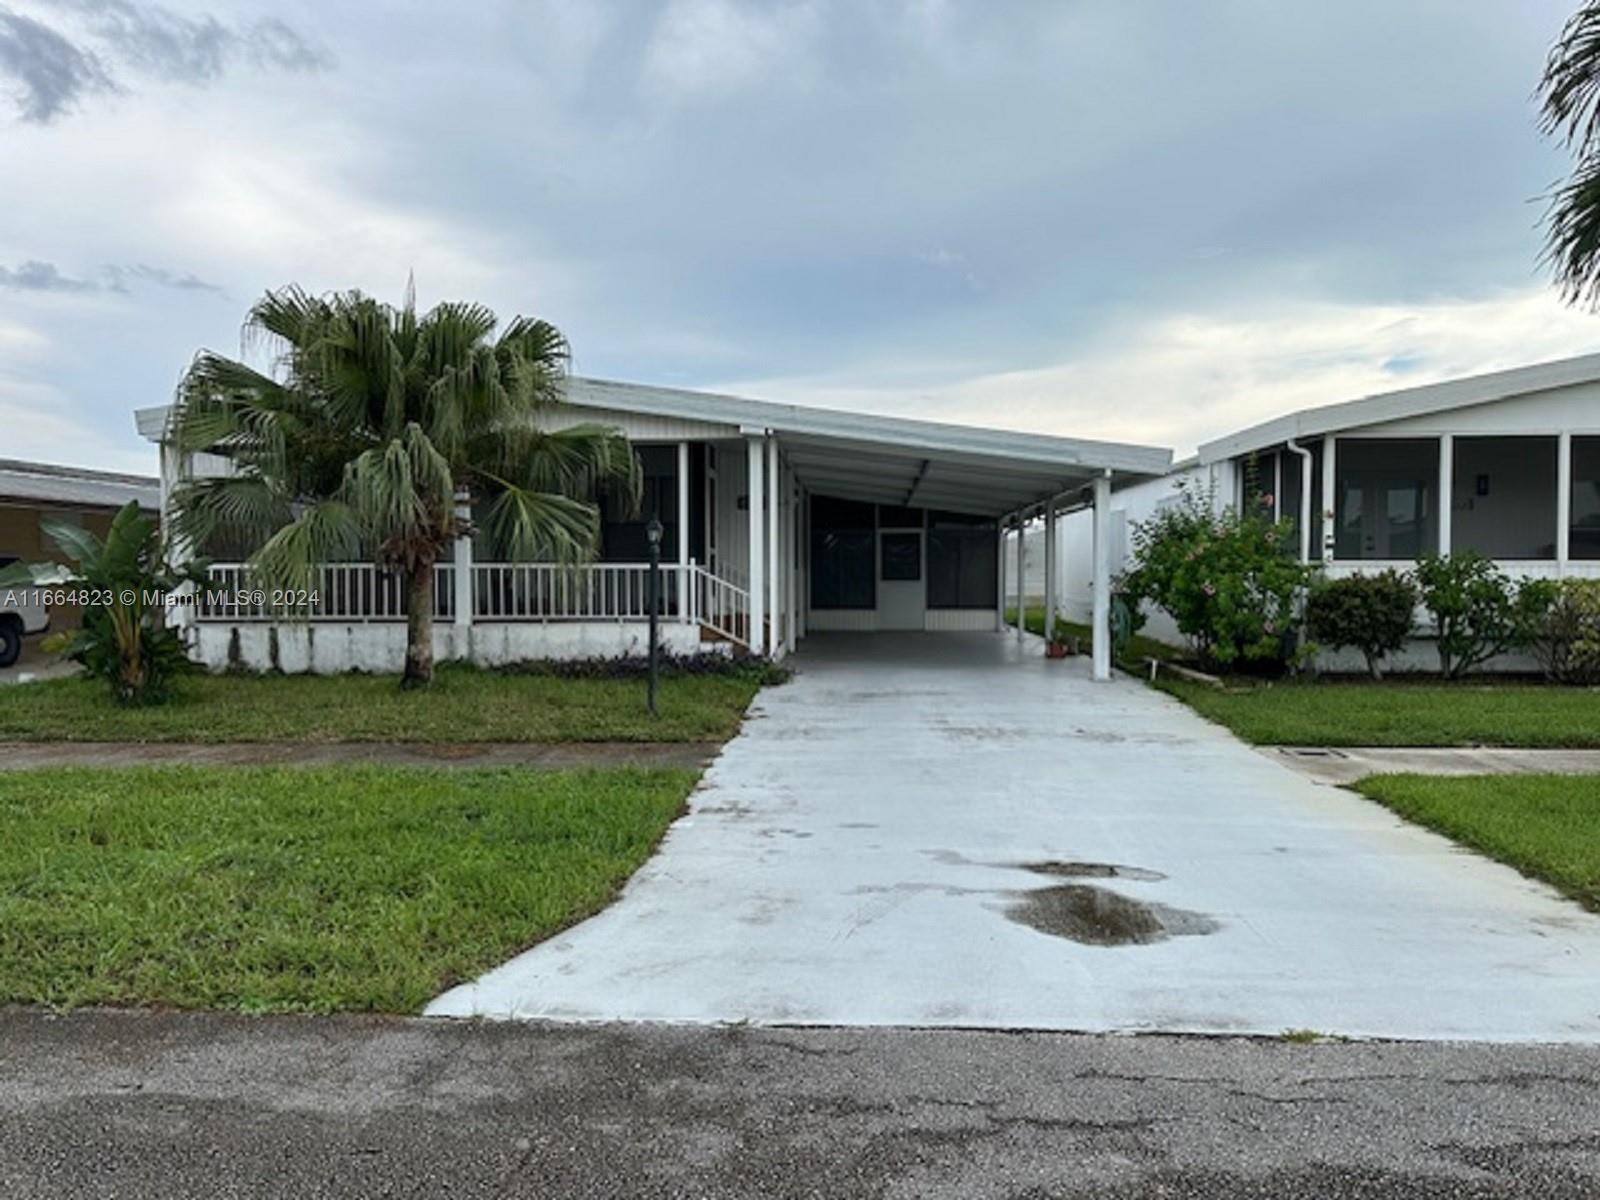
(976, 760)
(1097, 916)
(1090, 870)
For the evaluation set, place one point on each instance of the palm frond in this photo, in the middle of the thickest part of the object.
(1570, 89)
(325, 532)
(1572, 245)
(525, 525)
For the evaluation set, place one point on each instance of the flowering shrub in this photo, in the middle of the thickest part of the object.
(1229, 580)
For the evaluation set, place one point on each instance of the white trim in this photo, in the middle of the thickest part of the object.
(756, 459)
(1446, 500)
(1102, 578)
(1407, 402)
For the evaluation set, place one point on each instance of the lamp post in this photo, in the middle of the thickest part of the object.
(653, 531)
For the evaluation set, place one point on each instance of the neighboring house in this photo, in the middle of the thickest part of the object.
(1507, 464)
(31, 493)
(780, 521)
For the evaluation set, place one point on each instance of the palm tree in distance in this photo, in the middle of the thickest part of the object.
(372, 424)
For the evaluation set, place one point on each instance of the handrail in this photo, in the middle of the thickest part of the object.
(501, 592)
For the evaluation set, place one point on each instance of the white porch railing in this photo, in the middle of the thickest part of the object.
(339, 592)
(501, 592)
(552, 592)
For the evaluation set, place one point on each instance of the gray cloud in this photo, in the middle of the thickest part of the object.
(195, 49)
(53, 68)
(36, 276)
(49, 73)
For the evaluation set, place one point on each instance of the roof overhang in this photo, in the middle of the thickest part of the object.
(861, 456)
(1407, 402)
(50, 485)
(895, 460)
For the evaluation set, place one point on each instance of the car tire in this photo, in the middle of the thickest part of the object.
(10, 642)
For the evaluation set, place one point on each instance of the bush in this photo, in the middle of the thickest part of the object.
(1373, 613)
(1564, 628)
(1477, 611)
(1228, 580)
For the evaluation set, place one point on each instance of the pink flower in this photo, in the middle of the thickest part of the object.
(1209, 589)
(1266, 500)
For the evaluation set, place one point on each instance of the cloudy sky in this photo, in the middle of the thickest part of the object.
(1149, 220)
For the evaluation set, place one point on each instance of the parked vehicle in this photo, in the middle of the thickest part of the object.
(19, 616)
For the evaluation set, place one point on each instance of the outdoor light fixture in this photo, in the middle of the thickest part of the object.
(653, 532)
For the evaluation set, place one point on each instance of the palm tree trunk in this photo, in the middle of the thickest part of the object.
(419, 627)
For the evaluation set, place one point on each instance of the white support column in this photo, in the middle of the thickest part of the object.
(791, 563)
(1050, 559)
(803, 586)
(1447, 476)
(1102, 577)
(683, 532)
(1329, 469)
(1563, 501)
(756, 458)
(461, 593)
(1000, 572)
(774, 548)
(1022, 576)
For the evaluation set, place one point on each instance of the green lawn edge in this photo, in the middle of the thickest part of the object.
(295, 889)
(463, 705)
(1545, 826)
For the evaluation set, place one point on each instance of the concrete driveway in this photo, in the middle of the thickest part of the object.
(944, 830)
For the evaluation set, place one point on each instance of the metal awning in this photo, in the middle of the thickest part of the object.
(895, 460)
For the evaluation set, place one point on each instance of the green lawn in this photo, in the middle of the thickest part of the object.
(1399, 713)
(1140, 647)
(461, 706)
(1547, 826)
(298, 889)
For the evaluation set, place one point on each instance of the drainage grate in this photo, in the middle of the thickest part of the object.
(1314, 752)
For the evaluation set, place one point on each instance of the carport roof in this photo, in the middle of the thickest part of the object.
(895, 460)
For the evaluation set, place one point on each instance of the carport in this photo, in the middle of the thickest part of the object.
(825, 520)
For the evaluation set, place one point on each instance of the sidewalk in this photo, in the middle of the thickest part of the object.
(1347, 764)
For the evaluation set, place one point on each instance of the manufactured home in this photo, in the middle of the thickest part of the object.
(1506, 464)
(779, 522)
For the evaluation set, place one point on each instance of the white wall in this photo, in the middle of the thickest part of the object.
(332, 648)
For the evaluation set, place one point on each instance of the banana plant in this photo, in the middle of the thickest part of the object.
(126, 584)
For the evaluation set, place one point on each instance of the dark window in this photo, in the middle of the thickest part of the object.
(1585, 535)
(1503, 500)
(890, 517)
(1386, 498)
(962, 567)
(622, 534)
(902, 556)
(843, 554)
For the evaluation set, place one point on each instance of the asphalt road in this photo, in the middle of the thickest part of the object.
(170, 1106)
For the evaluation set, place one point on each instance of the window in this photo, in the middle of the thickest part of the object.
(902, 556)
(1585, 528)
(1385, 498)
(1503, 497)
(622, 533)
(962, 568)
(843, 554)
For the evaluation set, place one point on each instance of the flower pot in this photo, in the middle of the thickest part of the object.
(1055, 650)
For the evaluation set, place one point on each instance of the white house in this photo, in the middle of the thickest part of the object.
(1507, 464)
(780, 522)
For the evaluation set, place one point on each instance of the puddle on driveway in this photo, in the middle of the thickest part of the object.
(1092, 870)
(1098, 917)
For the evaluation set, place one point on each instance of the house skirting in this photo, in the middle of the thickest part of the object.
(335, 647)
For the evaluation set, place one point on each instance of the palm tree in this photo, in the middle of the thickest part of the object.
(1569, 95)
(371, 428)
